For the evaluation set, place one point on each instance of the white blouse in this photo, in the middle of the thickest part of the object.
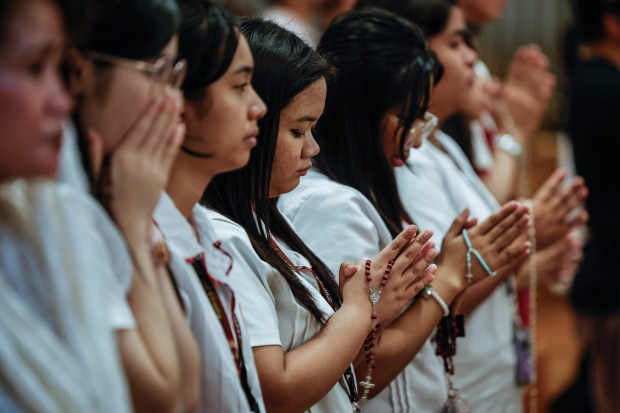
(272, 315)
(220, 386)
(64, 273)
(435, 187)
(340, 225)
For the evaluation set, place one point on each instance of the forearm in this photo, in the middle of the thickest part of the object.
(399, 343)
(307, 373)
(503, 178)
(475, 295)
(150, 355)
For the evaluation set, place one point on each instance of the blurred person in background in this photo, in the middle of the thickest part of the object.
(594, 99)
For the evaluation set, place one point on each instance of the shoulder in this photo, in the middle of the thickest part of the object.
(319, 194)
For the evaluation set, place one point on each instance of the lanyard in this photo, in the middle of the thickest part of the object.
(199, 264)
(348, 376)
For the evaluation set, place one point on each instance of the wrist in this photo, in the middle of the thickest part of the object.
(357, 313)
(509, 144)
(430, 294)
(448, 285)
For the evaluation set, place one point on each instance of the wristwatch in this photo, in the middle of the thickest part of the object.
(509, 144)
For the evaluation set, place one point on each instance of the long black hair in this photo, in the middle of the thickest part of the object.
(431, 16)
(382, 62)
(208, 39)
(285, 66)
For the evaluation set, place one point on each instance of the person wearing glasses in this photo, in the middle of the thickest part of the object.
(438, 182)
(376, 112)
(221, 111)
(124, 77)
(305, 330)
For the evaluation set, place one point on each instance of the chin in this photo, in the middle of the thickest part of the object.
(238, 163)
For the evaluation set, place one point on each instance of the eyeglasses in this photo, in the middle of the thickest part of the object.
(422, 127)
(163, 70)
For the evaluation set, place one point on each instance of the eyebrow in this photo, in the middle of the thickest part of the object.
(45, 49)
(306, 119)
(461, 33)
(244, 69)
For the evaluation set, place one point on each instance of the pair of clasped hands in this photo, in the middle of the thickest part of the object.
(500, 240)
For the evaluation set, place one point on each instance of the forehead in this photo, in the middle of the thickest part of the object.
(310, 102)
(33, 21)
(456, 23)
(242, 56)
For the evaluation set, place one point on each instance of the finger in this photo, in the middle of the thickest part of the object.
(413, 252)
(505, 212)
(581, 219)
(171, 150)
(458, 224)
(512, 233)
(140, 127)
(504, 225)
(551, 185)
(95, 151)
(471, 223)
(392, 251)
(570, 198)
(159, 130)
(163, 149)
(417, 269)
(348, 270)
(513, 254)
(427, 277)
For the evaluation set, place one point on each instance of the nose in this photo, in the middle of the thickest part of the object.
(470, 56)
(58, 100)
(311, 148)
(258, 109)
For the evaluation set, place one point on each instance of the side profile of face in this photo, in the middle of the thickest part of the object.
(480, 12)
(392, 135)
(296, 145)
(111, 99)
(225, 123)
(457, 59)
(33, 102)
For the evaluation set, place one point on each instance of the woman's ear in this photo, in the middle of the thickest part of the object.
(80, 72)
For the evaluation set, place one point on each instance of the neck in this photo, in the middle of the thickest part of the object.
(188, 180)
(607, 50)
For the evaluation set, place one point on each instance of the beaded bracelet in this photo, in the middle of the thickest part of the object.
(430, 292)
(369, 343)
(472, 250)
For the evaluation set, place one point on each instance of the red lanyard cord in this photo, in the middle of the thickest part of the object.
(199, 264)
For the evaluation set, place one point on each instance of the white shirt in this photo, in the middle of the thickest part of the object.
(220, 386)
(64, 272)
(273, 316)
(435, 188)
(340, 225)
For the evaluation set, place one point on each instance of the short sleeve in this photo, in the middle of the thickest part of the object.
(251, 279)
(336, 228)
(107, 252)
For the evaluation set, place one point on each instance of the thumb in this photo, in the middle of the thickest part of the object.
(458, 224)
(95, 150)
(348, 270)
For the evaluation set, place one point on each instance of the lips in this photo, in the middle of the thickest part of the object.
(253, 134)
